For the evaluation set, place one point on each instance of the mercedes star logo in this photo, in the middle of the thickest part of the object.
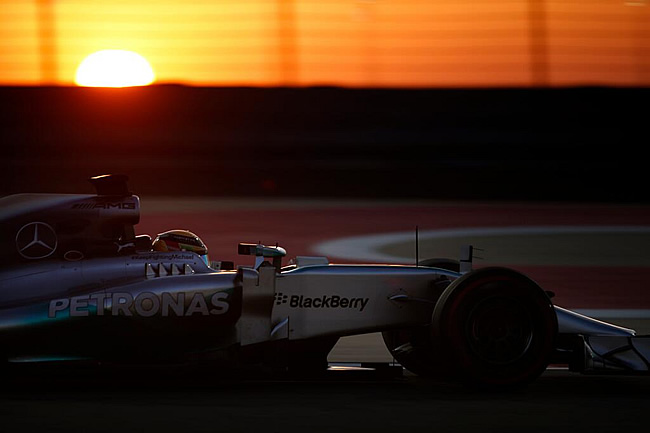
(36, 240)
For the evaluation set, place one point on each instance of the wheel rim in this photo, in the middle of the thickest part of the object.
(499, 330)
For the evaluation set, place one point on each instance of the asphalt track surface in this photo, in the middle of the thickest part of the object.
(180, 400)
(558, 401)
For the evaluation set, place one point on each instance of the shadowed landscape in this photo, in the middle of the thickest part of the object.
(577, 144)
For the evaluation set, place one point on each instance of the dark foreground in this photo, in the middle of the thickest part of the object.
(557, 401)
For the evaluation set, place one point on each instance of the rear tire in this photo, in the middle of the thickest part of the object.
(309, 357)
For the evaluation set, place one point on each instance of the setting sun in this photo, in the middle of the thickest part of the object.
(114, 68)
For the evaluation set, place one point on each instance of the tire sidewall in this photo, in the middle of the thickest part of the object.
(455, 307)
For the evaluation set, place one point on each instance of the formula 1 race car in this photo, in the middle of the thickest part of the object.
(77, 283)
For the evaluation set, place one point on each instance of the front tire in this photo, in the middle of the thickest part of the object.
(496, 327)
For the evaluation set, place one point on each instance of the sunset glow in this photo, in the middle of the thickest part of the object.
(114, 68)
(358, 43)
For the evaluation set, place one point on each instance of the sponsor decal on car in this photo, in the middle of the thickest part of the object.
(36, 240)
(325, 301)
(145, 304)
(104, 205)
(168, 257)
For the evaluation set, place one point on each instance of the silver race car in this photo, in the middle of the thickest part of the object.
(77, 283)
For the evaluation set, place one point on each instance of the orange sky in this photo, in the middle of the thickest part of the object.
(404, 43)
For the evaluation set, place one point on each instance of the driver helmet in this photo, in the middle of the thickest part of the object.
(181, 240)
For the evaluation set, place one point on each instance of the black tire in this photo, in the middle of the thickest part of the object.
(309, 357)
(412, 347)
(495, 327)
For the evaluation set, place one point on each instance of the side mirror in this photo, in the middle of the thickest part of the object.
(261, 252)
